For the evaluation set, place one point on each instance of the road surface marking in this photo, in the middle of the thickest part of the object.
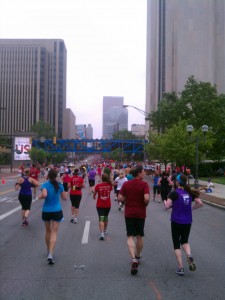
(86, 232)
(11, 212)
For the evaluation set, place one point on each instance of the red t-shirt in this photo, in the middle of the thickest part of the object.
(134, 191)
(103, 190)
(66, 178)
(76, 183)
(34, 172)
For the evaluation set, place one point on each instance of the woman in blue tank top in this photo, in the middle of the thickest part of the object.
(181, 218)
(25, 195)
(52, 214)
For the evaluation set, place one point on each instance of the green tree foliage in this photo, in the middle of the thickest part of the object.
(43, 129)
(38, 155)
(198, 104)
(167, 114)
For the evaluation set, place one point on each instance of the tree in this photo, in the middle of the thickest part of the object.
(176, 146)
(167, 113)
(43, 129)
(199, 104)
(38, 155)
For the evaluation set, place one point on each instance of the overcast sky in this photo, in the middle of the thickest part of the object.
(106, 49)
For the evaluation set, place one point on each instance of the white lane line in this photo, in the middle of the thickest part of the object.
(11, 212)
(86, 232)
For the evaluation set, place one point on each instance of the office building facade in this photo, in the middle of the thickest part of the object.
(89, 132)
(184, 38)
(138, 130)
(32, 83)
(69, 129)
(115, 116)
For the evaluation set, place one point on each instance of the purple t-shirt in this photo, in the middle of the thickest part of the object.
(182, 207)
(92, 174)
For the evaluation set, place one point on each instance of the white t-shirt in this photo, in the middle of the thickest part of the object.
(120, 182)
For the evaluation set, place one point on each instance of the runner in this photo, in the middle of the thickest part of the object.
(52, 214)
(156, 187)
(75, 185)
(165, 185)
(181, 218)
(25, 195)
(34, 173)
(103, 204)
(135, 194)
(119, 181)
(91, 179)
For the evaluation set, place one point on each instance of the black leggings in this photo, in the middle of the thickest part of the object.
(180, 234)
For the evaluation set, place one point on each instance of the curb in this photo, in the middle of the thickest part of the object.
(213, 204)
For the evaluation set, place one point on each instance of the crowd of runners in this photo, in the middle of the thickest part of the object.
(126, 183)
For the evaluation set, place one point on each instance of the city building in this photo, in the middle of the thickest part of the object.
(184, 38)
(115, 116)
(89, 132)
(32, 83)
(69, 129)
(138, 130)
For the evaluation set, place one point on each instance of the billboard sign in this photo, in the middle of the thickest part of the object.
(21, 147)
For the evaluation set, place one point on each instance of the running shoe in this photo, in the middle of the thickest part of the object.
(180, 271)
(72, 220)
(102, 237)
(75, 221)
(25, 222)
(138, 258)
(134, 267)
(192, 266)
(51, 261)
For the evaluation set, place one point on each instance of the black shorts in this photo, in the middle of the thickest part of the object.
(25, 201)
(65, 185)
(180, 234)
(135, 226)
(156, 189)
(52, 216)
(75, 200)
(103, 211)
(91, 182)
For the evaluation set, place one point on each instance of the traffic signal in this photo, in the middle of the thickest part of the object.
(54, 140)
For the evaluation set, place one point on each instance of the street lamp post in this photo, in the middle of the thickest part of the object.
(190, 129)
(146, 114)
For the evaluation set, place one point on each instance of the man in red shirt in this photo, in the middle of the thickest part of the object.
(34, 173)
(135, 194)
(76, 183)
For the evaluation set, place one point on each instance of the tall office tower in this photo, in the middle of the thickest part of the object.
(115, 116)
(69, 130)
(184, 38)
(32, 83)
(89, 132)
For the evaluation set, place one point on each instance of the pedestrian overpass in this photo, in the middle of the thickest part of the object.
(90, 145)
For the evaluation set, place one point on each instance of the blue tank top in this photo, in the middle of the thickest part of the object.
(155, 180)
(25, 187)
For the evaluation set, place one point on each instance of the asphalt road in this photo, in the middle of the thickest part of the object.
(103, 266)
